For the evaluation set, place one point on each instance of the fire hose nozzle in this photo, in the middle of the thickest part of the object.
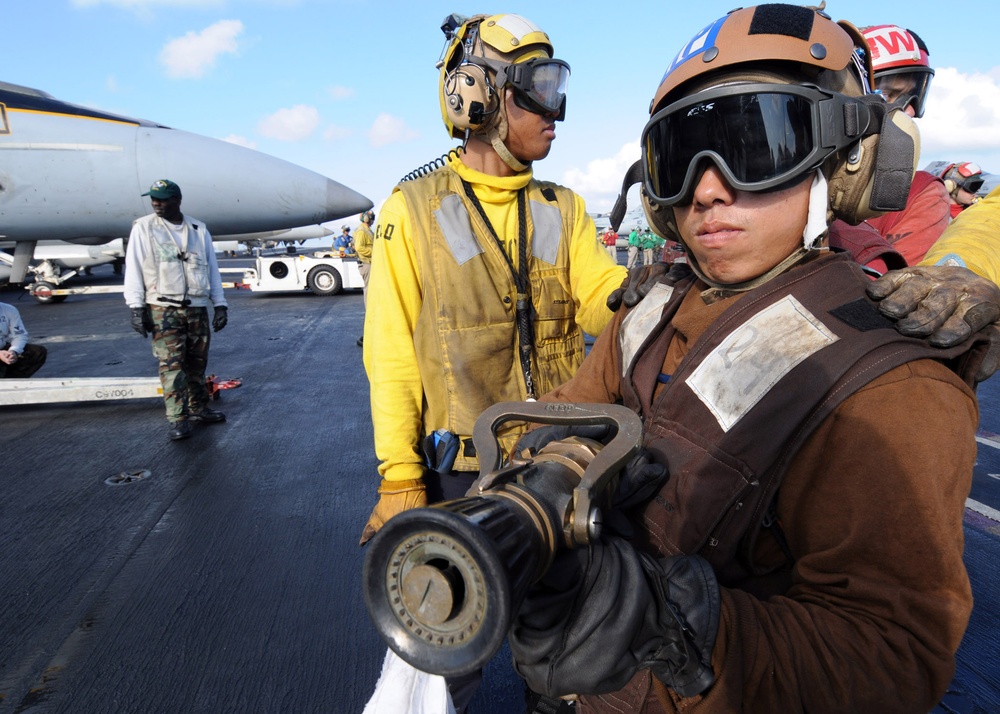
(442, 583)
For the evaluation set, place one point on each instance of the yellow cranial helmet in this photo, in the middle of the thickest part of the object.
(484, 55)
(769, 95)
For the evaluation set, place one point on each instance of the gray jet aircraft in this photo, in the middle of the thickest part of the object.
(76, 174)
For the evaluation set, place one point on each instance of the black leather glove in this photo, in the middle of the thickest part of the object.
(220, 318)
(944, 303)
(536, 439)
(603, 612)
(142, 321)
(637, 483)
(636, 284)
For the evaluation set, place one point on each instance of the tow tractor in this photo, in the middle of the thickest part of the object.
(323, 272)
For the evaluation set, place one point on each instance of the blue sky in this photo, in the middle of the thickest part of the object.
(348, 88)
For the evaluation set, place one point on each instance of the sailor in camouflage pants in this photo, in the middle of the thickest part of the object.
(171, 276)
(181, 338)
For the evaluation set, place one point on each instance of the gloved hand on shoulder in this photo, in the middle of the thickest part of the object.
(142, 321)
(394, 497)
(605, 611)
(944, 303)
(639, 281)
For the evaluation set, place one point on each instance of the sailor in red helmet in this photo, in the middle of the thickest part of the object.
(963, 181)
(902, 74)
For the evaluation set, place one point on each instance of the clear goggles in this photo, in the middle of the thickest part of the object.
(760, 136)
(539, 85)
(905, 88)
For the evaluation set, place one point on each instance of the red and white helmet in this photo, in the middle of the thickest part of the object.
(965, 175)
(900, 61)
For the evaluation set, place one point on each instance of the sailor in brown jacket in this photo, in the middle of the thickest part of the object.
(805, 550)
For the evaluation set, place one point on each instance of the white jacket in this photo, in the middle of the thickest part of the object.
(160, 272)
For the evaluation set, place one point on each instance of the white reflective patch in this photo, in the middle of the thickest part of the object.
(453, 218)
(740, 371)
(641, 321)
(548, 229)
(953, 260)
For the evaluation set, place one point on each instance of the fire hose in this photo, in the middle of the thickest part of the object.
(443, 583)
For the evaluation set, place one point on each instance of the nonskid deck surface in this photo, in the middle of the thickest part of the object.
(227, 578)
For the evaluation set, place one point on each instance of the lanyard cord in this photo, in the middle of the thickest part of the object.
(520, 276)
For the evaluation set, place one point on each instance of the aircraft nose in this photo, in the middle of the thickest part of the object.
(340, 197)
(234, 189)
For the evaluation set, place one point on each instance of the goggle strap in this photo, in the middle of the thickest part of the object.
(632, 177)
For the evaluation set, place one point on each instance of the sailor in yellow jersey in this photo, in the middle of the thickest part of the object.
(972, 240)
(484, 279)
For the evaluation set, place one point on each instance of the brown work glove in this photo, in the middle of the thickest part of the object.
(639, 281)
(394, 497)
(944, 303)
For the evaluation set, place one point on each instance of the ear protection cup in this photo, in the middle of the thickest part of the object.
(950, 186)
(659, 218)
(469, 98)
(853, 180)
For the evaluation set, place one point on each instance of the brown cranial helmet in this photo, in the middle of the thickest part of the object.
(769, 94)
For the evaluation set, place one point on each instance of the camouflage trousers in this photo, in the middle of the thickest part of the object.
(181, 337)
(31, 361)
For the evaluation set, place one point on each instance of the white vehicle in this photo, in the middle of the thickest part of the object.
(323, 273)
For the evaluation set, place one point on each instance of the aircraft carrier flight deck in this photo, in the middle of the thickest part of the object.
(223, 573)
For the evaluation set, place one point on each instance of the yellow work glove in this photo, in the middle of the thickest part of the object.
(394, 497)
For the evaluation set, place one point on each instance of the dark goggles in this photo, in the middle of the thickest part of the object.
(905, 87)
(972, 184)
(539, 85)
(760, 136)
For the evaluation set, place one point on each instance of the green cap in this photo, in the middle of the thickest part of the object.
(163, 189)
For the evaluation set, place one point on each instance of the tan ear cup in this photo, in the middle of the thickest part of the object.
(467, 97)
(660, 218)
(851, 181)
(950, 186)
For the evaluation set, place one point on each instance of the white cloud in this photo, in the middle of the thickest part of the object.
(336, 133)
(291, 124)
(601, 180)
(388, 129)
(241, 141)
(338, 93)
(962, 116)
(192, 55)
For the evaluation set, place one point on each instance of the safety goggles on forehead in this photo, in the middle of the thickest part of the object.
(539, 85)
(760, 136)
(905, 88)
